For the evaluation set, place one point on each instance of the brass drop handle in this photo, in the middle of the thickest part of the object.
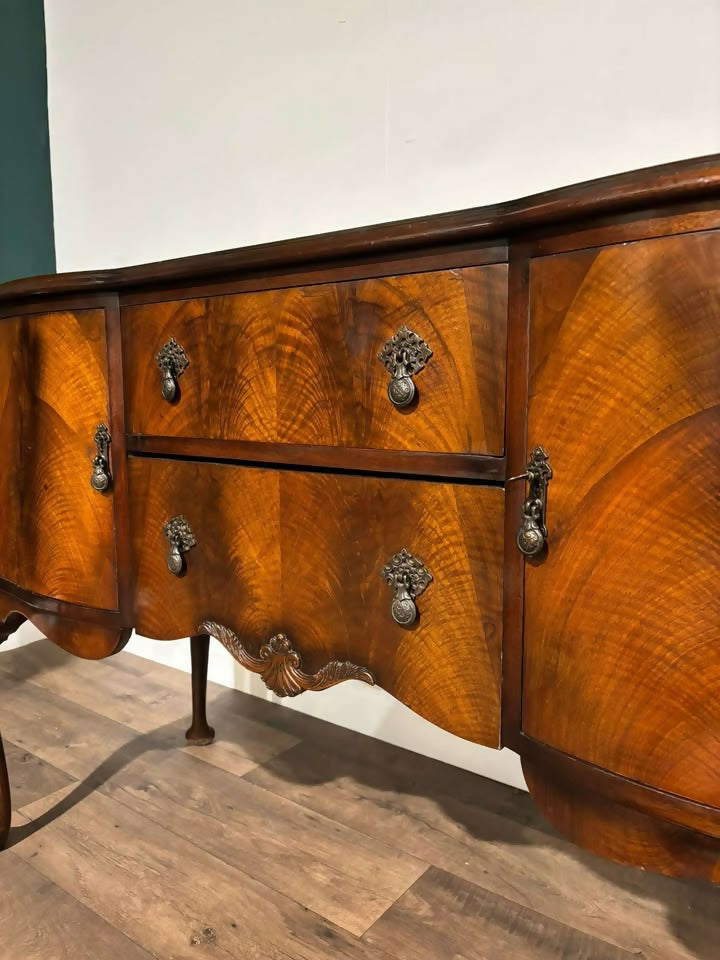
(403, 356)
(180, 539)
(533, 533)
(172, 361)
(408, 577)
(100, 479)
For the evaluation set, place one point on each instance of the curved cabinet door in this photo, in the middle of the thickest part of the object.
(303, 554)
(58, 533)
(622, 618)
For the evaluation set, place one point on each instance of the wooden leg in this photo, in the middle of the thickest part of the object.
(4, 799)
(7, 626)
(200, 732)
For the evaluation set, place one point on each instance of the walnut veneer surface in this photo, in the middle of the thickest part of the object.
(318, 455)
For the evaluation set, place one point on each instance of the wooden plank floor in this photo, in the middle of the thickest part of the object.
(288, 839)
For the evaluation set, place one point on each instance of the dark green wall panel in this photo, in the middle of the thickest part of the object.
(27, 244)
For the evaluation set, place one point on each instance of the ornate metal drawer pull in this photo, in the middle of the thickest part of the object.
(408, 576)
(101, 479)
(173, 362)
(281, 667)
(532, 535)
(181, 539)
(403, 356)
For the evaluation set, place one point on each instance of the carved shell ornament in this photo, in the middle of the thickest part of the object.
(281, 667)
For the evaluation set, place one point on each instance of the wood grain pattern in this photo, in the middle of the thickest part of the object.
(461, 920)
(619, 833)
(58, 534)
(78, 631)
(280, 551)
(622, 619)
(441, 466)
(677, 182)
(62, 929)
(204, 908)
(597, 781)
(335, 871)
(489, 835)
(33, 778)
(300, 366)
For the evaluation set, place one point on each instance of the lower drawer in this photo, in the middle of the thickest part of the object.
(304, 554)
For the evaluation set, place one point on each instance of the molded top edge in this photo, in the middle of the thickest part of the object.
(652, 186)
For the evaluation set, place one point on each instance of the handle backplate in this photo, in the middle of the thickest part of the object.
(100, 478)
(403, 356)
(408, 577)
(532, 535)
(180, 539)
(172, 361)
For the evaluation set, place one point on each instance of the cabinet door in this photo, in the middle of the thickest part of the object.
(622, 619)
(58, 537)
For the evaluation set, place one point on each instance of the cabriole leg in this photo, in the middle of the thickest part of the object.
(4, 799)
(200, 732)
(7, 626)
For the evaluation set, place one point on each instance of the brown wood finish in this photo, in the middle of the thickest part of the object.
(279, 551)
(5, 801)
(600, 783)
(515, 445)
(620, 832)
(199, 733)
(300, 366)
(622, 618)
(442, 466)
(679, 182)
(599, 340)
(58, 536)
(370, 266)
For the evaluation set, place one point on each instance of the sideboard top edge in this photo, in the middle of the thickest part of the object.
(696, 178)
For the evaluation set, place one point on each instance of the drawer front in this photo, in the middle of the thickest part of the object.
(302, 554)
(301, 365)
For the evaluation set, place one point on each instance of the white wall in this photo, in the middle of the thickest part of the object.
(178, 127)
(26, 634)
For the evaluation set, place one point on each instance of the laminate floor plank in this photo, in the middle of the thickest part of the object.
(333, 870)
(40, 921)
(439, 815)
(297, 821)
(171, 896)
(32, 778)
(71, 738)
(445, 916)
(142, 705)
(126, 689)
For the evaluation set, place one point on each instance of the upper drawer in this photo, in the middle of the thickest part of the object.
(301, 365)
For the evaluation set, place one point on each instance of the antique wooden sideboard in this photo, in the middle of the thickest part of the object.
(473, 458)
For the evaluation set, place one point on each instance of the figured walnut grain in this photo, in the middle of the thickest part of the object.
(59, 533)
(301, 554)
(622, 619)
(300, 365)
